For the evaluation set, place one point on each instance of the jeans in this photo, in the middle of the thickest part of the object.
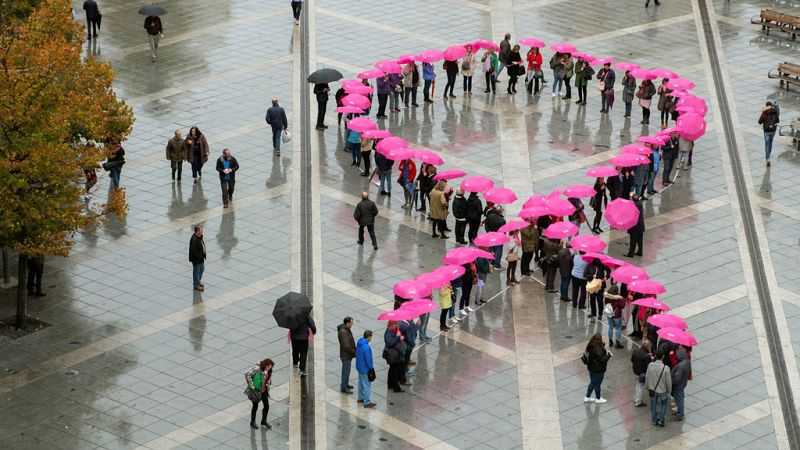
(628, 106)
(347, 364)
(355, 149)
(410, 92)
(491, 81)
(595, 380)
(364, 388)
(768, 137)
(370, 230)
(114, 173)
(451, 83)
(650, 187)
(615, 322)
(426, 89)
(564, 288)
(578, 292)
(299, 353)
(497, 251)
(637, 396)
(422, 331)
(276, 139)
(466, 291)
(679, 395)
(197, 273)
(386, 181)
(658, 407)
(394, 101)
(557, 83)
(668, 164)
(296, 8)
(467, 83)
(176, 166)
(227, 190)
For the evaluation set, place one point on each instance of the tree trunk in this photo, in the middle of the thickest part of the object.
(22, 294)
(6, 269)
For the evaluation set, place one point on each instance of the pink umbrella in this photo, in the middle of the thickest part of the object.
(398, 315)
(482, 43)
(359, 101)
(587, 243)
(666, 132)
(626, 66)
(591, 256)
(649, 302)
(349, 110)
(677, 336)
(622, 214)
(629, 274)
(428, 156)
(377, 134)
(388, 66)
(664, 73)
(361, 124)
(579, 191)
(500, 195)
(654, 140)
(476, 184)
(455, 52)
(559, 207)
(691, 126)
(513, 226)
(628, 160)
(678, 94)
(636, 149)
(461, 255)
(535, 200)
(560, 230)
(450, 271)
(531, 42)
(411, 289)
(667, 321)
(370, 74)
(583, 56)
(613, 262)
(599, 172)
(694, 102)
(397, 154)
(418, 307)
(651, 287)
(356, 87)
(601, 61)
(407, 58)
(534, 212)
(391, 143)
(430, 56)
(643, 74)
(432, 279)
(562, 47)
(680, 84)
(449, 174)
(491, 239)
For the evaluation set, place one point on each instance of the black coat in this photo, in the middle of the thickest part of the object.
(474, 207)
(493, 221)
(460, 207)
(383, 163)
(670, 149)
(234, 166)
(319, 91)
(91, 8)
(614, 187)
(639, 227)
(365, 212)
(640, 359)
(598, 359)
(197, 249)
(301, 333)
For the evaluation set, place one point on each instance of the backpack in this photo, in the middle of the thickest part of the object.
(771, 122)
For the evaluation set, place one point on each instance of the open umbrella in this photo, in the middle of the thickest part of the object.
(535, 200)
(411, 289)
(349, 110)
(693, 102)
(610, 262)
(643, 74)
(534, 212)
(291, 310)
(450, 271)
(626, 66)
(491, 239)
(559, 207)
(514, 225)
(464, 255)
(680, 84)
(629, 274)
(664, 73)
(455, 52)
(449, 174)
(419, 306)
(370, 74)
(562, 47)
(359, 101)
(601, 61)
(356, 87)
(152, 10)
(560, 230)
(430, 56)
(677, 336)
(397, 154)
(361, 124)
(579, 191)
(650, 287)
(622, 214)
(388, 66)
(628, 160)
(476, 184)
(398, 314)
(376, 134)
(428, 156)
(323, 76)
(433, 280)
(599, 172)
(500, 196)
(407, 58)
(636, 149)
(678, 94)
(391, 143)
(691, 125)
(654, 140)
(650, 302)
(587, 243)
(482, 43)
(531, 42)
(667, 321)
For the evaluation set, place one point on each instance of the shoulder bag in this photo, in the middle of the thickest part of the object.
(594, 285)
(652, 392)
(608, 310)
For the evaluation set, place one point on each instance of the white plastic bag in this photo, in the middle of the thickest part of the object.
(286, 136)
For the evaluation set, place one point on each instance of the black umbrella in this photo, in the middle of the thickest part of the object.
(152, 10)
(323, 76)
(291, 310)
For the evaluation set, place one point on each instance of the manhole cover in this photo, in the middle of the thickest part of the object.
(569, 336)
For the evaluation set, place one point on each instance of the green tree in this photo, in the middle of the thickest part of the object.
(53, 106)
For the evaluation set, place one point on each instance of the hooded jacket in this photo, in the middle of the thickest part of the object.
(347, 346)
(460, 207)
(363, 356)
(438, 203)
(474, 207)
(680, 373)
(640, 359)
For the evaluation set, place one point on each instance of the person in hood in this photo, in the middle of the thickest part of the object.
(347, 351)
(680, 377)
(769, 120)
(363, 366)
(658, 380)
(460, 213)
(596, 359)
(641, 359)
(474, 214)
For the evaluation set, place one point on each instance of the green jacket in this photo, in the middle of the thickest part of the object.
(579, 80)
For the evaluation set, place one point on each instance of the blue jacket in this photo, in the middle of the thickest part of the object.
(276, 117)
(390, 339)
(363, 356)
(427, 71)
(409, 330)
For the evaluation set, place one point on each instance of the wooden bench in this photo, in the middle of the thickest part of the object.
(769, 19)
(786, 73)
(792, 130)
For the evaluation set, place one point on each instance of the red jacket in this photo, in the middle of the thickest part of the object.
(412, 170)
(534, 61)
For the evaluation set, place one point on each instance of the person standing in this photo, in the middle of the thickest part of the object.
(607, 78)
(491, 67)
(641, 359)
(460, 213)
(474, 214)
(425, 183)
(596, 359)
(35, 273)
(322, 91)
(354, 142)
(646, 92)
(410, 83)
(397, 91)
(196, 151)
(569, 66)
(493, 221)
(176, 154)
(653, 168)
(596, 271)
(530, 240)
(578, 281)
(482, 268)
(297, 6)
(259, 379)
(446, 304)
(664, 102)
(152, 24)
(384, 167)
(367, 145)
(769, 119)
(646, 4)
(451, 70)
(637, 231)
(408, 172)
(557, 64)
(598, 202)
(628, 92)
(385, 88)
(300, 337)
(617, 303)
(659, 382)
(276, 119)
(583, 73)
(680, 378)
(115, 163)
(514, 63)
(686, 147)
(227, 167)
(549, 263)
(347, 351)
(92, 18)
(534, 58)
(468, 69)
(428, 75)
(364, 366)
(394, 353)
(512, 256)
(565, 269)
(197, 256)
(409, 330)
(467, 281)
(364, 215)
(505, 51)
(439, 210)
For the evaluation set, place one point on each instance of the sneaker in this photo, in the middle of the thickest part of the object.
(600, 400)
(554, 95)
(469, 309)
(302, 373)
(588, 399)
(463, 312)
(370, 405)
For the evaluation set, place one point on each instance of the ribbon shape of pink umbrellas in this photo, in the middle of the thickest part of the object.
(560, 230)
(531, 42)
(391, 143)
(628, 160)
(500, 196)
(397, 315)
(359, 101)
(428, 156)
(652, 140)
(419, 306)
(587, 243)
(562, 47)
(356, 87)
(491, 239)
(411, 289)
(559, 207)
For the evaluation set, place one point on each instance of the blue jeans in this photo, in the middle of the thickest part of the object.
(426, 89)
(386, 182)
(114, 173)
(595, 380)
(364, 387)
(679, 395)
(557, 83)
(565, 286)
(276, 139)
(650, 181)
(768, 137)
(355, 148)
(658, 407)
(197, 273)
(394, 100)
(615, 322)
(452, 311)
(423, 326)
(497, 251)
(347, 364)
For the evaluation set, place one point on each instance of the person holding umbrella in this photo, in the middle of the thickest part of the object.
(321, 90)
(152, 24)
(300, 337)
(293, 311)
(637, 231)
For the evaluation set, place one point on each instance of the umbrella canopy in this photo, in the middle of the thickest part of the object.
(626, 66)
(514, 225)
(636, 149)
(323, 76)
(579, 191)
(433, 280)
(349, 110)
(677, 336)
(361, 124)
(449, 174)
(291, 310)
(534, 212)
(591, 256)
(650, 302)
(411, 289)
(500, 196)
(680, 84)
(430, 56)
(428, 156)
(482, 43)
(464, 255)
(651, 287)
(584, 56)
(407, 58)
(691, 125)
(419, 306)
(601, 61)
(397, 154)
(356, 87)
(491, 239)
(559, 207)
(455, 52)
(629, 274)
(531, 42)
(678, 94)
(388, 66)
(562, 47)
(398, 314)
(450, 271)
(653, 140)
(664, 73)
(643, 74)
(476, 184)
(535, 200)
(370, 74)
(667, 321)
(600, 172)
(391, 143)
(587, 243)
(613, 262)
(560, 230)
(152, 10)
(622, 214)
(628, 160)
(359, 101)
(693, 102)
(666, 132)
(376, 134)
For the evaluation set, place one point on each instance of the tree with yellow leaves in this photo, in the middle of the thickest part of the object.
(54, 106)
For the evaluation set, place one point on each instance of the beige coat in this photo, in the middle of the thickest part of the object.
(470, 58)
(438, 204)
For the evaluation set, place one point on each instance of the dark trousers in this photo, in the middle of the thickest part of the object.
(382, 98)
(365, 158)
(667, 165)
(461, 227)
(526, 263)
(299, 353)
(468, 83)
(410, 93)
(646, 114)
(265, 402)
(451, 83)
(578, 292)
(35, 272)
(466, 292)
(227, 190)
(598, 217)
(636, 239)
(440, 224)
(550, 277)
(176, 166)
(426, 89)
(393, 379)
(197, 166)
(596, 303)
(474, 227)
(582, 93)
(443, 318)
(568, 86)
(628, 107)
(370, 230)
(665, 116)
(91, 26)
(564, 287)
(490, 82)
(296, 8)
(321, 107)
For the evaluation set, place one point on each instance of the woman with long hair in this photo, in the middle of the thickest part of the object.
(196, 151)
(598, 202)
(596, 359)
(259, 379)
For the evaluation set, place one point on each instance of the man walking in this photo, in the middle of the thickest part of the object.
(297, 6)
(276, 118)
(347, 351)
(505, 50)
(365, 214)
(659, 382)
(769, 120)
(680, 377)
(364, 366)
(321, 90)
(460, 211)
(197, 256)
(227, 167)
(92, 18)
(176, 152)
(300, 337)
(154, 32)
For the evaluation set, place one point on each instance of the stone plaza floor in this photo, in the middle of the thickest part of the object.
(133, 358)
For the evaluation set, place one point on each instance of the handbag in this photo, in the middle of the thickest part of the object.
(608, 309)
(520, 70)
(465, 65)
(512, 257)
(601, 86)
(371, 375)
(253, 395)
(594, 285)
(585, 358)
(652, 392)
(286, 136)
(581, 217)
